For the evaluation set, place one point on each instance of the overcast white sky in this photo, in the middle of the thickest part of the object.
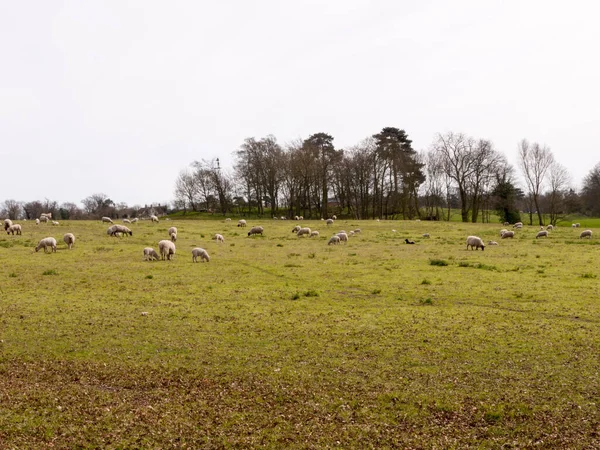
(118, 96)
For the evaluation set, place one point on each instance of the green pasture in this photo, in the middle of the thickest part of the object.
(286, 342)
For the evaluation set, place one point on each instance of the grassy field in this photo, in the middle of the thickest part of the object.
(285, 342)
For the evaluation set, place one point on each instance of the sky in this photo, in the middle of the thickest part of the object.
(117, 97)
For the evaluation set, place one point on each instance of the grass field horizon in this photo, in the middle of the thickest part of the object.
(286, 342)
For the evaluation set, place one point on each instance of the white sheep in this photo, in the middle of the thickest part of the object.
(334, 217)
(241, 223)
(329, 221)
(166, 249)
(296, 229)
(150, 254)
(107, 220)
(43, 219)
(203, 254)
(126, 221)
(541, 233)
(255, 230)
(153, 218)
(47, 242)
(503, 231)
(492, 243)
(343, 236)
(506, 224)
(426, 235)
(228, 219)
(586, 233)
(518, 225)
(351, 233)
(508, 234)
(117, 229)
(334, 240)
(550, 227)
(314, 234)
(576, 225)
(37, 221)
(173, 237)
(303, 231)
(296, 217)
(69, 239)
(134, 220)
(14, 228)
(219, 238)
(475, 242)
(172, 230)
(54, 222)
(7, 224)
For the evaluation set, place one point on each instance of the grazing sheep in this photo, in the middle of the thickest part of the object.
(508, 234)
(47, 242)
(577, 225)
(54, 222)
(357, 230)
(219, 238)
(173, 237)
(172, 230)
(153, 218)
(334, 240)
(134, 220)
(15, 228)
(409, 241)
(69, 239)
(541, 227)
(503, 231)
(48, 215)
(115, 229)
(126, 221)
(518, 225)
(506, 224)
(283, 218)
(7, 224)
(203, 254)
(107, 220)
(492, 243)
(426, 235)
(586, 233)
(334, 217)
(303, 231)
(329, 221)
(314, 234)
(255, 230)
(351, 233)
(541, 233)
(296, 229)
(241, 223)
(37, 221)
(166, 249)
(475, 242)
(296, 217)
(343, 237)
(43, 219)
(150, 254)
(550, 227)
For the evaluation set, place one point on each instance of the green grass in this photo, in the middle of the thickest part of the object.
(283, 342)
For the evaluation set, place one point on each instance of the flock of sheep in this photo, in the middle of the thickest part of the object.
(167, 247)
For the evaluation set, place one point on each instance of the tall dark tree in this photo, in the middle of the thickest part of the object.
(321, 147)
(590, 192)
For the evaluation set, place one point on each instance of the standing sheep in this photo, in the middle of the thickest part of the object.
(150, 254)
(508, 234)
(47, 242)
(115, 229)
(586, 233)
(107, 220)
(241, 223)
(334, 240)
(303, 231)
(7, 224)
(69, 239)
(173, 233)
(37, 221)
(153, 218)
(255, 230)
(166, 249)
(542, 233)
(314, 234)
(503, 231)
(334, 217)
(200, 252)
(475, 242)
(518, 225)
(550, 227)
(14, 228)
(219, 238)
(343, 237)
(296, 229)
(329, 221)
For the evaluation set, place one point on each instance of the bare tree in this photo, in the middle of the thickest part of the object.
(186, 190)
(12, 209)
(534, 161)
(590, 192)
(559, 179)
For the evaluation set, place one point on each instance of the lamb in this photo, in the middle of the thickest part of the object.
(126, 221)
(475, 242)
(153, 218)
(508, 234)
(506, 224)
(576, 225)
(586, 233)
(166, 249)
(47, 242)
(15, 228)
(334, 240)
(150, 254)
(228, 219)
(54, 222)
(69, 239)
(329, 221)
(303, 231)
(492, 243)
(47, 215)
(351, 233)
(200, 252)
(518, 225)
(314, 234)
(343, 237)
(173, 231)
(541, 233)
(43, 219)
(255, 230)
(106, 220)
(409, 241)
(241, 223)
(37, 221)
(296, 218)
(7, 224)
(296, 229)
(219, 238)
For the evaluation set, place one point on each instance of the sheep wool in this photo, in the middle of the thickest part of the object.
(45, 243)
(586, 233)
(69, 239)
(166, 249)
(150, 254)
(200, 252)
(475, 243)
